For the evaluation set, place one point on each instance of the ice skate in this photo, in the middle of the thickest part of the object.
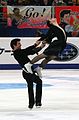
(38, 105)
(38, 71)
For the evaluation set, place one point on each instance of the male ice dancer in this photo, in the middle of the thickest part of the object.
(55, 47)
(21, 55)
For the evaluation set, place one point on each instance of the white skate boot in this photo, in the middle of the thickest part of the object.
(38, 71)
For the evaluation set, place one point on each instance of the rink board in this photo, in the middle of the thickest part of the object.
(7, 61)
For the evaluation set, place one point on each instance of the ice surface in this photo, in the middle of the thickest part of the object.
(60, 99)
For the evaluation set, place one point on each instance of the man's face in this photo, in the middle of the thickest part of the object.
(17, 11)
(17, 46)
(66, 18)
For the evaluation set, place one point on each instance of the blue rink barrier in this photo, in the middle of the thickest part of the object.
(48, 66)
(18, 85)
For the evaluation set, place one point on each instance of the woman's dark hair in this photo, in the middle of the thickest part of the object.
(14, 42)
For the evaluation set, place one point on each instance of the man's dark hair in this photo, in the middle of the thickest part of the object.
(14, 42)
(63, 12)
(48, 23)
(15, 9)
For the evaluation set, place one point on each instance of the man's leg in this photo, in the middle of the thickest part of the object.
(29, 79)
(30, 94)
(38, 94)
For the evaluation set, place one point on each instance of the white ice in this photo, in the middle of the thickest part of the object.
(60, 98)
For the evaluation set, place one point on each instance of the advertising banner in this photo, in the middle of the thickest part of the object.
(28, 16)
(69, 15)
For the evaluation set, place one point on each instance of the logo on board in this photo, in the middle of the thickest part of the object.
(69, 53)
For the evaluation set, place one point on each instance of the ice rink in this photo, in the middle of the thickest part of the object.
(60, 98)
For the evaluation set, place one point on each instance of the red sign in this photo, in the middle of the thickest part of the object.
(74, 14)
